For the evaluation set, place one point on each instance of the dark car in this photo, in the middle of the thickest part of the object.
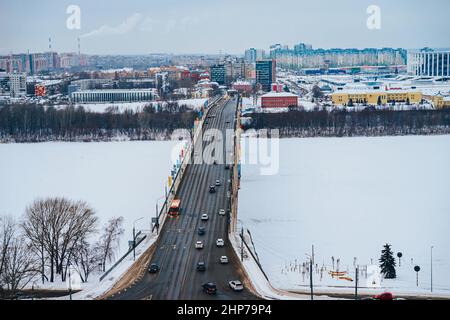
(201, 231)
(154, 268)
(209, 288)
(201, 266)
(212, 189)
(227, 167)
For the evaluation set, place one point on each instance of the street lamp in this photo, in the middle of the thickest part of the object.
(310, 274)
(134, 237)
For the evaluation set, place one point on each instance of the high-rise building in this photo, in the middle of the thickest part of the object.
(218, 74)
(429, 62)
(302, 47)
(252, 55)
(266, 73)
(18, 84)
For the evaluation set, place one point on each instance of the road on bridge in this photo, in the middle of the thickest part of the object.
(175, 251)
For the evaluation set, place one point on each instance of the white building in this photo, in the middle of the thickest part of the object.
(18, 84)
(429, 62)
(107, 96)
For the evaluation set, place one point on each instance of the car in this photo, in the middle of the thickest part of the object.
(228, 122)
(205, 217)
(224, 260)
(154, 268)
(201, 231)
(220, 243)
(385, 296)
(212, 189)
(218, 183)
(209, 288)
(221, 212)
(201, 266)
(215, 162)
(199, 245)
(227, 167)
(236, 285)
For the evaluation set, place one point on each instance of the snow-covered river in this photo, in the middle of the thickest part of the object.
(348, 197)
(116, 179)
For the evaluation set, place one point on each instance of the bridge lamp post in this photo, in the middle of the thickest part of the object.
(134, 237)
(310, 274)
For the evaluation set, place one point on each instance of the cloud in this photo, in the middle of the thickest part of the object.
(144, 24)
(125, 27)
(148, 24)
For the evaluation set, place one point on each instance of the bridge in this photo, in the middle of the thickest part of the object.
(174, 250)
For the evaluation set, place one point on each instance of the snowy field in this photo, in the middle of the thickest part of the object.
(116, 179)
(348, 197)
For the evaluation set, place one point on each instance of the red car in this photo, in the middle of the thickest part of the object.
(384, 296)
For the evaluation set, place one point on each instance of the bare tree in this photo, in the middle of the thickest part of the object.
(85, 259)
(109, 241)
(55, 227)
(18, 265)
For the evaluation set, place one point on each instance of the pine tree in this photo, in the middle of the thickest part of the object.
(387, 263)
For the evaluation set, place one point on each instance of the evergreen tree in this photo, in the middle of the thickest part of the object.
(387, 263)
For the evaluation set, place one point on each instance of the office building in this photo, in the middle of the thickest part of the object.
(218, 74)
(375, 97)
(265, 73)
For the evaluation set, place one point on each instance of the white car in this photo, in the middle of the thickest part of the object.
(236, 285)
(220, 243)
(205, 217)
(224, 260)
(218, 183)
(199, 245)
(221, 212)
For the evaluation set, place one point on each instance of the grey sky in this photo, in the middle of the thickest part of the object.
(211, 26)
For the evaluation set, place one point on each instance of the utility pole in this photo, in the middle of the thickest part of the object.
(356, 283)
(311, 277)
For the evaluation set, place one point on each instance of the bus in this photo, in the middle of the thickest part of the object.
(175, 208)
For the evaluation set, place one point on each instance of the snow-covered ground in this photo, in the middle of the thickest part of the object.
(139, 106)
(348, 197)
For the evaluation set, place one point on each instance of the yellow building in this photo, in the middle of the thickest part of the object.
(375, 97)
(440, 102)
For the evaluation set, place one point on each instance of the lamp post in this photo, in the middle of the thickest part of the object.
(134, 237)
(311, 275)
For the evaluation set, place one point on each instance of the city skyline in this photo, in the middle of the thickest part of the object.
(176, 27)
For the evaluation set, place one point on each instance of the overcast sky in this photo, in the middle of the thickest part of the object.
(213, 26)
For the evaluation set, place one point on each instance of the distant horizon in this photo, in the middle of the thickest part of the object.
(208, 54)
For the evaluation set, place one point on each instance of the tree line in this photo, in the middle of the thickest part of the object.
(35, 123)
(54, 234)
(342, 123)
